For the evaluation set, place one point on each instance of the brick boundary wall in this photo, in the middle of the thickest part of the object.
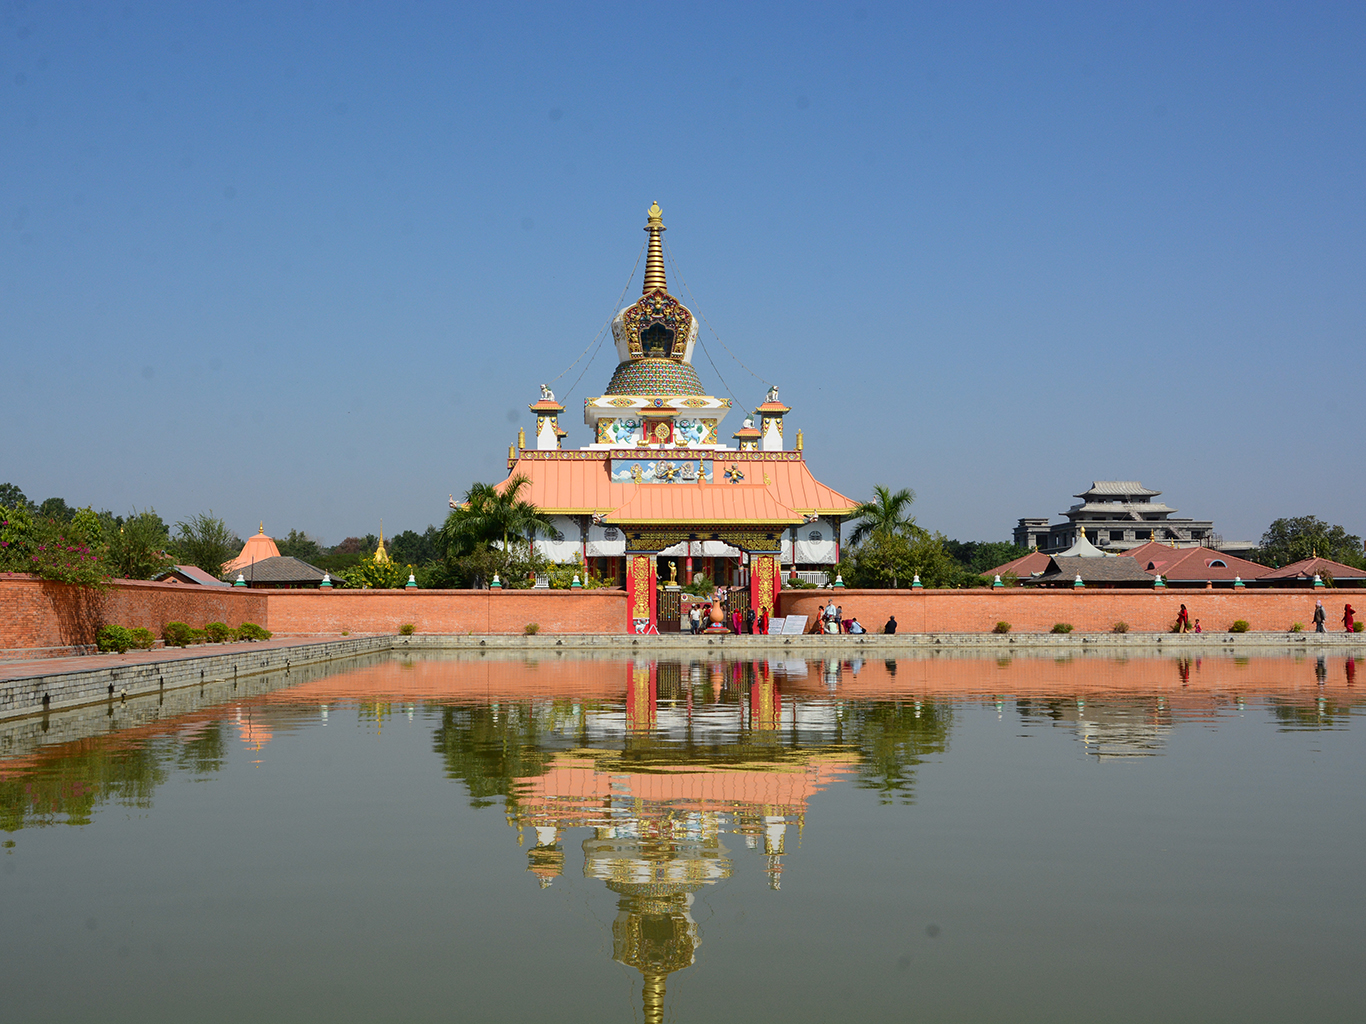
(39, 618)
(323, 612)
(1088, 610)
(57, 618)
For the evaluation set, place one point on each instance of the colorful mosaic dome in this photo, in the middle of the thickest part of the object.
(655, 377)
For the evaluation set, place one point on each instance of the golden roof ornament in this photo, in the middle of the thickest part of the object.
(654, 259)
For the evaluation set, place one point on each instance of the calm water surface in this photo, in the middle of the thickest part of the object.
(583, 840)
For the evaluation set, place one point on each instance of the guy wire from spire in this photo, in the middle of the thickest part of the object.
(610, 318)
(679, 274)
(718, 373)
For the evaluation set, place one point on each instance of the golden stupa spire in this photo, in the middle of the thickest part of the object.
(654, 259)
(380, 554)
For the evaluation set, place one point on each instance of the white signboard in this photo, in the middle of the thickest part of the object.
(775, 626)
(794, 625)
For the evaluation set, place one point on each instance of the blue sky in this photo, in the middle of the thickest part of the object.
(307, 263)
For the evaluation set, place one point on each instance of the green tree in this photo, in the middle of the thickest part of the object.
(494, 530)
(887, 515)
(884, 531)
(56, 508)
(1301, 537)
(300, 545)
(17, 537)
(416, 548)
(368, 573)
(977, 556)
(205, 541)
(12, 497)
(137, 546)
(87, 526)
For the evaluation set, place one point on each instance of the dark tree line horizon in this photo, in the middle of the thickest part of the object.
(885, 545)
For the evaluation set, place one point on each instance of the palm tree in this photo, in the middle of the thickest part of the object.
(886, 515)
(885, 518)
(493, 514)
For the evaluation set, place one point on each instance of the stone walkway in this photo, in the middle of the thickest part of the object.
(30, 667)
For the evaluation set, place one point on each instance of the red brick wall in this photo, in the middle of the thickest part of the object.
(36, 613)
(447, 611)
(1088, 610)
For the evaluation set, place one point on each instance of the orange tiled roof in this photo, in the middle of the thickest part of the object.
(703, 503)
(579, 484)
(258, 548)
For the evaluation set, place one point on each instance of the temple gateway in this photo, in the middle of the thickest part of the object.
(658, 497)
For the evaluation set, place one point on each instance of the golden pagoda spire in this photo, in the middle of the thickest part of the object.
(380, 554)
(654, 259)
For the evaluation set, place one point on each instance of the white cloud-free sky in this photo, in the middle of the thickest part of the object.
(307, 263)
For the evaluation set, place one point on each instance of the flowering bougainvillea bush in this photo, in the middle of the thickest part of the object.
(50, 549)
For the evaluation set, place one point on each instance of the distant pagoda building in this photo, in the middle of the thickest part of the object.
(658, 495)
(1115, 515)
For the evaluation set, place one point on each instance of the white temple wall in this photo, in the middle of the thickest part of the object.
(565, 546)
(606, 541)
(815, 544)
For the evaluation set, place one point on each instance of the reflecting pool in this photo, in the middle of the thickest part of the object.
(485, 839)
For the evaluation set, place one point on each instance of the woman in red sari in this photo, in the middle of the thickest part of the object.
(1183, 621)
(1347, 618)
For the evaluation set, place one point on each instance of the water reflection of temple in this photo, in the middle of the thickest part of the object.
(659, 780)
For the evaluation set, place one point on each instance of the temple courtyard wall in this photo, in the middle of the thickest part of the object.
(1087, 610)
(43, 619)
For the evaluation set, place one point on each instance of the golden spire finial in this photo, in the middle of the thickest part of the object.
(380, 554)
(262, 530)
(654, 259)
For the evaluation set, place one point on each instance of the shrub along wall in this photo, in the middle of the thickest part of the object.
(37, 614)
(1088, 610)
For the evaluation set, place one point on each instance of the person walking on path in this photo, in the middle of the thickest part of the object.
(1183, 621)
(695, 618)
(1319, 617)
(1347, 618)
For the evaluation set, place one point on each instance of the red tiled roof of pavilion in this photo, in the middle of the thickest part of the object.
(1307, 568)
(1022, 567)
(1193, 564)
